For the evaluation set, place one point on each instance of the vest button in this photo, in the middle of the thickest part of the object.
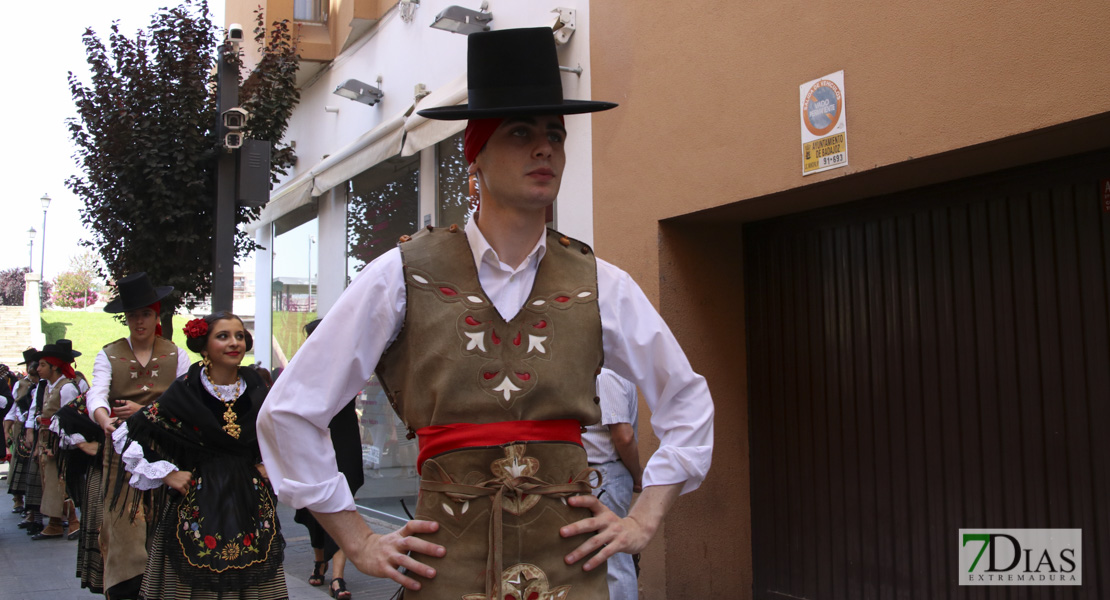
(403, 239)
(565, 241)
(583, 429)
(597, 400)
(585, 249)
(453, 228)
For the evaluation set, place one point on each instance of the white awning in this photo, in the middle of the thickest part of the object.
(294, 194)
(421, 132)
(369, 149)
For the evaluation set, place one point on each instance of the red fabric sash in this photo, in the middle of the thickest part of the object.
(437, 439)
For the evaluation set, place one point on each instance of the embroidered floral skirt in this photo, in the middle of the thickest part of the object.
(204, 549)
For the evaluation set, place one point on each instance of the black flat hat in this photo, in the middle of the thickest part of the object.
(29, 356)
(135, 291)
(61, 349)
(510, 73)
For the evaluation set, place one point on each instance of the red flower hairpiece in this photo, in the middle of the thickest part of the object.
(196, 328)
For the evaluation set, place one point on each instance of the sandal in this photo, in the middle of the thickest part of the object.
(341, 592)
(319, 567)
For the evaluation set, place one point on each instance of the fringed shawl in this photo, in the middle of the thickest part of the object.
(74, 419)
(223, 534)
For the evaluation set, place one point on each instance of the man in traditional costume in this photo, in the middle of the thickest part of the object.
(487, 340)
(129, 374)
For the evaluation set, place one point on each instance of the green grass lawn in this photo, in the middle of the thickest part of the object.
(91, 331)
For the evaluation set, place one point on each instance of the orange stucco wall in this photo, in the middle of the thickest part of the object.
(709, 121)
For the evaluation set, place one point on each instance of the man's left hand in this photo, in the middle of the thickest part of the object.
(614, 534)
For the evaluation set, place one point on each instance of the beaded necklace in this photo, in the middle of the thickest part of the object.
(231, 427)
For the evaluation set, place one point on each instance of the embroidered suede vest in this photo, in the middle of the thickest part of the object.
(134, 382)
(457, 360)
(52, 400)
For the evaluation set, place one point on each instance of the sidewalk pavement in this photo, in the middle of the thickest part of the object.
(47, 568)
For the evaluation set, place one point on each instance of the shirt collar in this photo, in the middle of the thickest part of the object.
(482, 251)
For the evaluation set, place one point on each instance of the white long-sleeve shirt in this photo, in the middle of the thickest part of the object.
(340, 357)
(68, 441)
(102, 378)
(68, 394)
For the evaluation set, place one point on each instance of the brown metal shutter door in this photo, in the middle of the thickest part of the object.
(928, 362)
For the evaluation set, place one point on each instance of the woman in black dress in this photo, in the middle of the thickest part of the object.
(218, 534)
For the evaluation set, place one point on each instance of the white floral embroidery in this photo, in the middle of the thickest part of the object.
(535, 342)
(507, 388)
(477, 340)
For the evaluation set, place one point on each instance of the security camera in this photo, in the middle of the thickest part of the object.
(233, 140)
(234, 119)
(235, 33)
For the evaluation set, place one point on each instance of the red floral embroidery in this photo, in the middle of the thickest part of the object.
(247, 539)
(210, 542)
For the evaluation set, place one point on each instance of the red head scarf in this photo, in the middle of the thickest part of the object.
(478, 132)
(157, 308)
(66, 370)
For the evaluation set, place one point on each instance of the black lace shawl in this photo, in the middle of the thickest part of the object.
(223, 534)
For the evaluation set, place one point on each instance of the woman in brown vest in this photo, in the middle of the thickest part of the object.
(217, 534)
(26, 484)
(61, 388)
(13, 422)
(129, 374)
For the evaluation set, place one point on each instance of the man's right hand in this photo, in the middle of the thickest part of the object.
(383, 555)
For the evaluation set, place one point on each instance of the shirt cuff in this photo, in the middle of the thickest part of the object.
(688, 466)
(329, 496)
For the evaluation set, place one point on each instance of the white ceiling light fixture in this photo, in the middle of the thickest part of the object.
(353, 89)
(466, 21)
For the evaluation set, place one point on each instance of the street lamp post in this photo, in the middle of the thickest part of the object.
(31, 249)
(42, 260)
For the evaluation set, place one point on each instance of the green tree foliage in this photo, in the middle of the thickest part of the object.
(76, 288)
(148, 145)
(73, 289)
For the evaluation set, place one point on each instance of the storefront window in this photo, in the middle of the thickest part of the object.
(294, 287)
(452, 204)
(382, 205)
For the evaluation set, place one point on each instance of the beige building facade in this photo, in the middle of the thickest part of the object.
(706, 150)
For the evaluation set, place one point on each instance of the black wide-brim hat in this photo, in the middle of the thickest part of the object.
(511, 73)
(29, 355)
(134, 292)
(61, 349)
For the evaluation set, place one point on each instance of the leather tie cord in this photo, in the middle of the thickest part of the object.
(498, 488)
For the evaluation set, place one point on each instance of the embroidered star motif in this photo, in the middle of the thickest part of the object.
(535, 342)
(154, 373)
(507, 388)
(134, 374)
(145, 388)
(477, 340)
